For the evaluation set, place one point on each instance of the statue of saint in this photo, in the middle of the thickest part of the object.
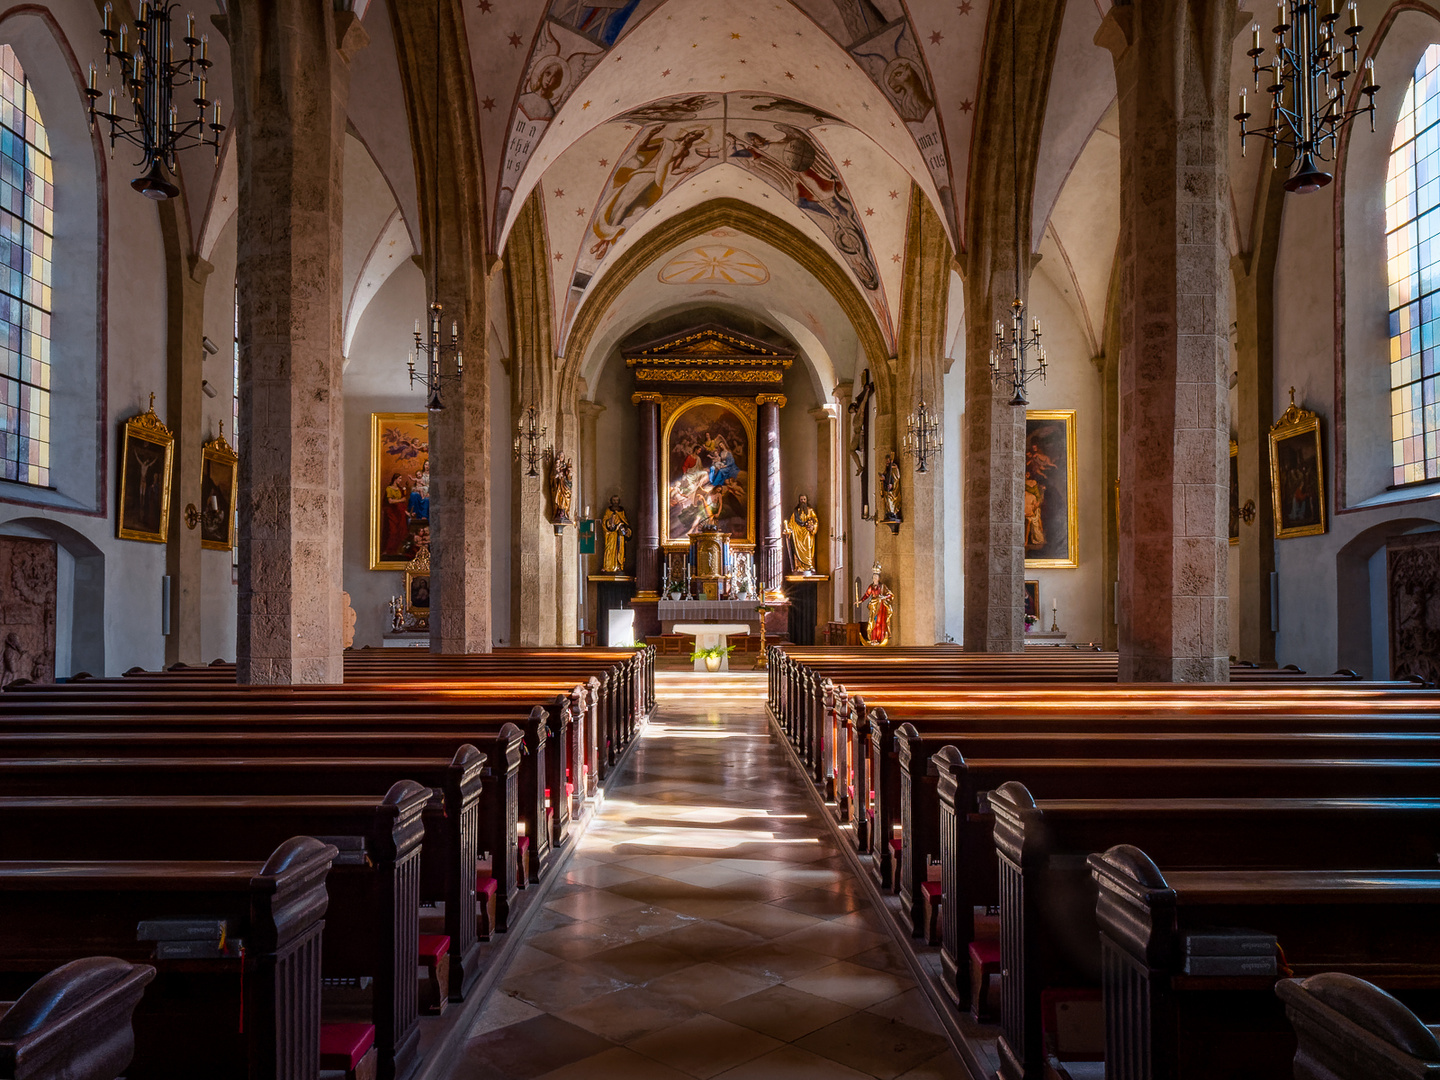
(802, 525)
(880, 602)
(890, 488)
(562, 489)
(616, 528)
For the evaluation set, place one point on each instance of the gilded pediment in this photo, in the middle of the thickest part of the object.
(709, 346)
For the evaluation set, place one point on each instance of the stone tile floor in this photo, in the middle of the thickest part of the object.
(707, 927)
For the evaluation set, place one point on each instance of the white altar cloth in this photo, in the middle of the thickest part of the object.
(709, 635)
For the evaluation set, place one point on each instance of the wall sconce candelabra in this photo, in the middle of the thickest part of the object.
(1010, 358)
(1308, 103)
(434, 349)
(531, 453)
(150, 77)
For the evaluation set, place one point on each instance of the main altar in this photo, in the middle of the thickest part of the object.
(709, 402)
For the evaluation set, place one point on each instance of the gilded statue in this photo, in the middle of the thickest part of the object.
(890, 488)
(880, 602)
(616, 528)
(802, 525)
(562, 489)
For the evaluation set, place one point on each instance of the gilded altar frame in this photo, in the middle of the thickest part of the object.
(220, 464)
(378, 423)
(1071, 559)
(674, 406)
(143, 510)
(1297, 437)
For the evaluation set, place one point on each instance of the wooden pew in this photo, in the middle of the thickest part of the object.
(1349, 1029)
(1160, 1021)
(373, 916)
(75, 1023)
(961, 781)
(53, 912)
(1049, 936)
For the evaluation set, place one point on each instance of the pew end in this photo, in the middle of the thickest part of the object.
(1349, 1029)
(74, 1022)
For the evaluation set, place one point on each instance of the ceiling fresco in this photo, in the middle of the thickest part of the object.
(714, 263)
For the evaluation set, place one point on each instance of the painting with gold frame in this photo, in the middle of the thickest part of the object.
(399, 488)
(219, 473)
(707, 471)
(1052, 508)
(147, 455)
(1234, 493)
(1297, 473)
(417, 589)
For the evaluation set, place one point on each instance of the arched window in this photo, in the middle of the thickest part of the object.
(27, 227)
(1412, 223)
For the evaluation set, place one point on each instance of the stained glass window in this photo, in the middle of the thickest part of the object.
(27, 228)
(1412, 222)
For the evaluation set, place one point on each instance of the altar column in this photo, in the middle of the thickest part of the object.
(770, 556)
(827, 504)
(647, 525)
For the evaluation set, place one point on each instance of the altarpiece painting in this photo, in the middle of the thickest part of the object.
(708, 479)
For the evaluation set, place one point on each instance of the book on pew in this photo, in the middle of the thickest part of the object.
(1230, 952)
(350, 850)
(210, 931)
(188, 950)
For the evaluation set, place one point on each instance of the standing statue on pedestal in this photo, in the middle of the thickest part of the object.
(616, 528)
(801, 526)
(562, 489)
(890, 490)
(881, 604)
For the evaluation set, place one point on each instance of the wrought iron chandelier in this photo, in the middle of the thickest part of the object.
(153, 80)
(1309, 106)
(923, 433)
(432, 345)
(531, 453)
(1010, 358)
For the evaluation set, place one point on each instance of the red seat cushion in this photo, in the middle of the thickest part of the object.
(434, 946)
(343, 1045)
(523, 843)
(932, 890)
(569, 788)
(896, 844)
(985, 952)
(485, 886)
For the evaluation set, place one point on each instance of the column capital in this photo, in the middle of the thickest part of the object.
(770, 399)
(637, 398)
(828, 411)
(588, 410)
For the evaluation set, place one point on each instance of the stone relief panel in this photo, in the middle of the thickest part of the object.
(28, 576)
(1414, 595)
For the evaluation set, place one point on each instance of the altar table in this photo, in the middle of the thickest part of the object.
(709, 635)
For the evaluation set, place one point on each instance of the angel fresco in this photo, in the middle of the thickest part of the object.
(666, 155)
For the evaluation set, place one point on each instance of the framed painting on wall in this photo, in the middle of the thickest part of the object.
(1297, 473)
(219, 466)
(399, 488)
(1052, 534)
(707, 472)
(147, 454)
(1234, 492)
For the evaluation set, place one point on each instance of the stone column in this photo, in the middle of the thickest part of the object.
(842, 568)
(647, 517)
(185, 274)
(827, 503)
(770, 554)
(587, 501)
(1172, 66)
(444, 135)
(567, 543)
(291, 68)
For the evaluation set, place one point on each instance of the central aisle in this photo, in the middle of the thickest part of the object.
(708, 927)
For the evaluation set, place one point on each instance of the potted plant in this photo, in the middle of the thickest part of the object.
(712, 656)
